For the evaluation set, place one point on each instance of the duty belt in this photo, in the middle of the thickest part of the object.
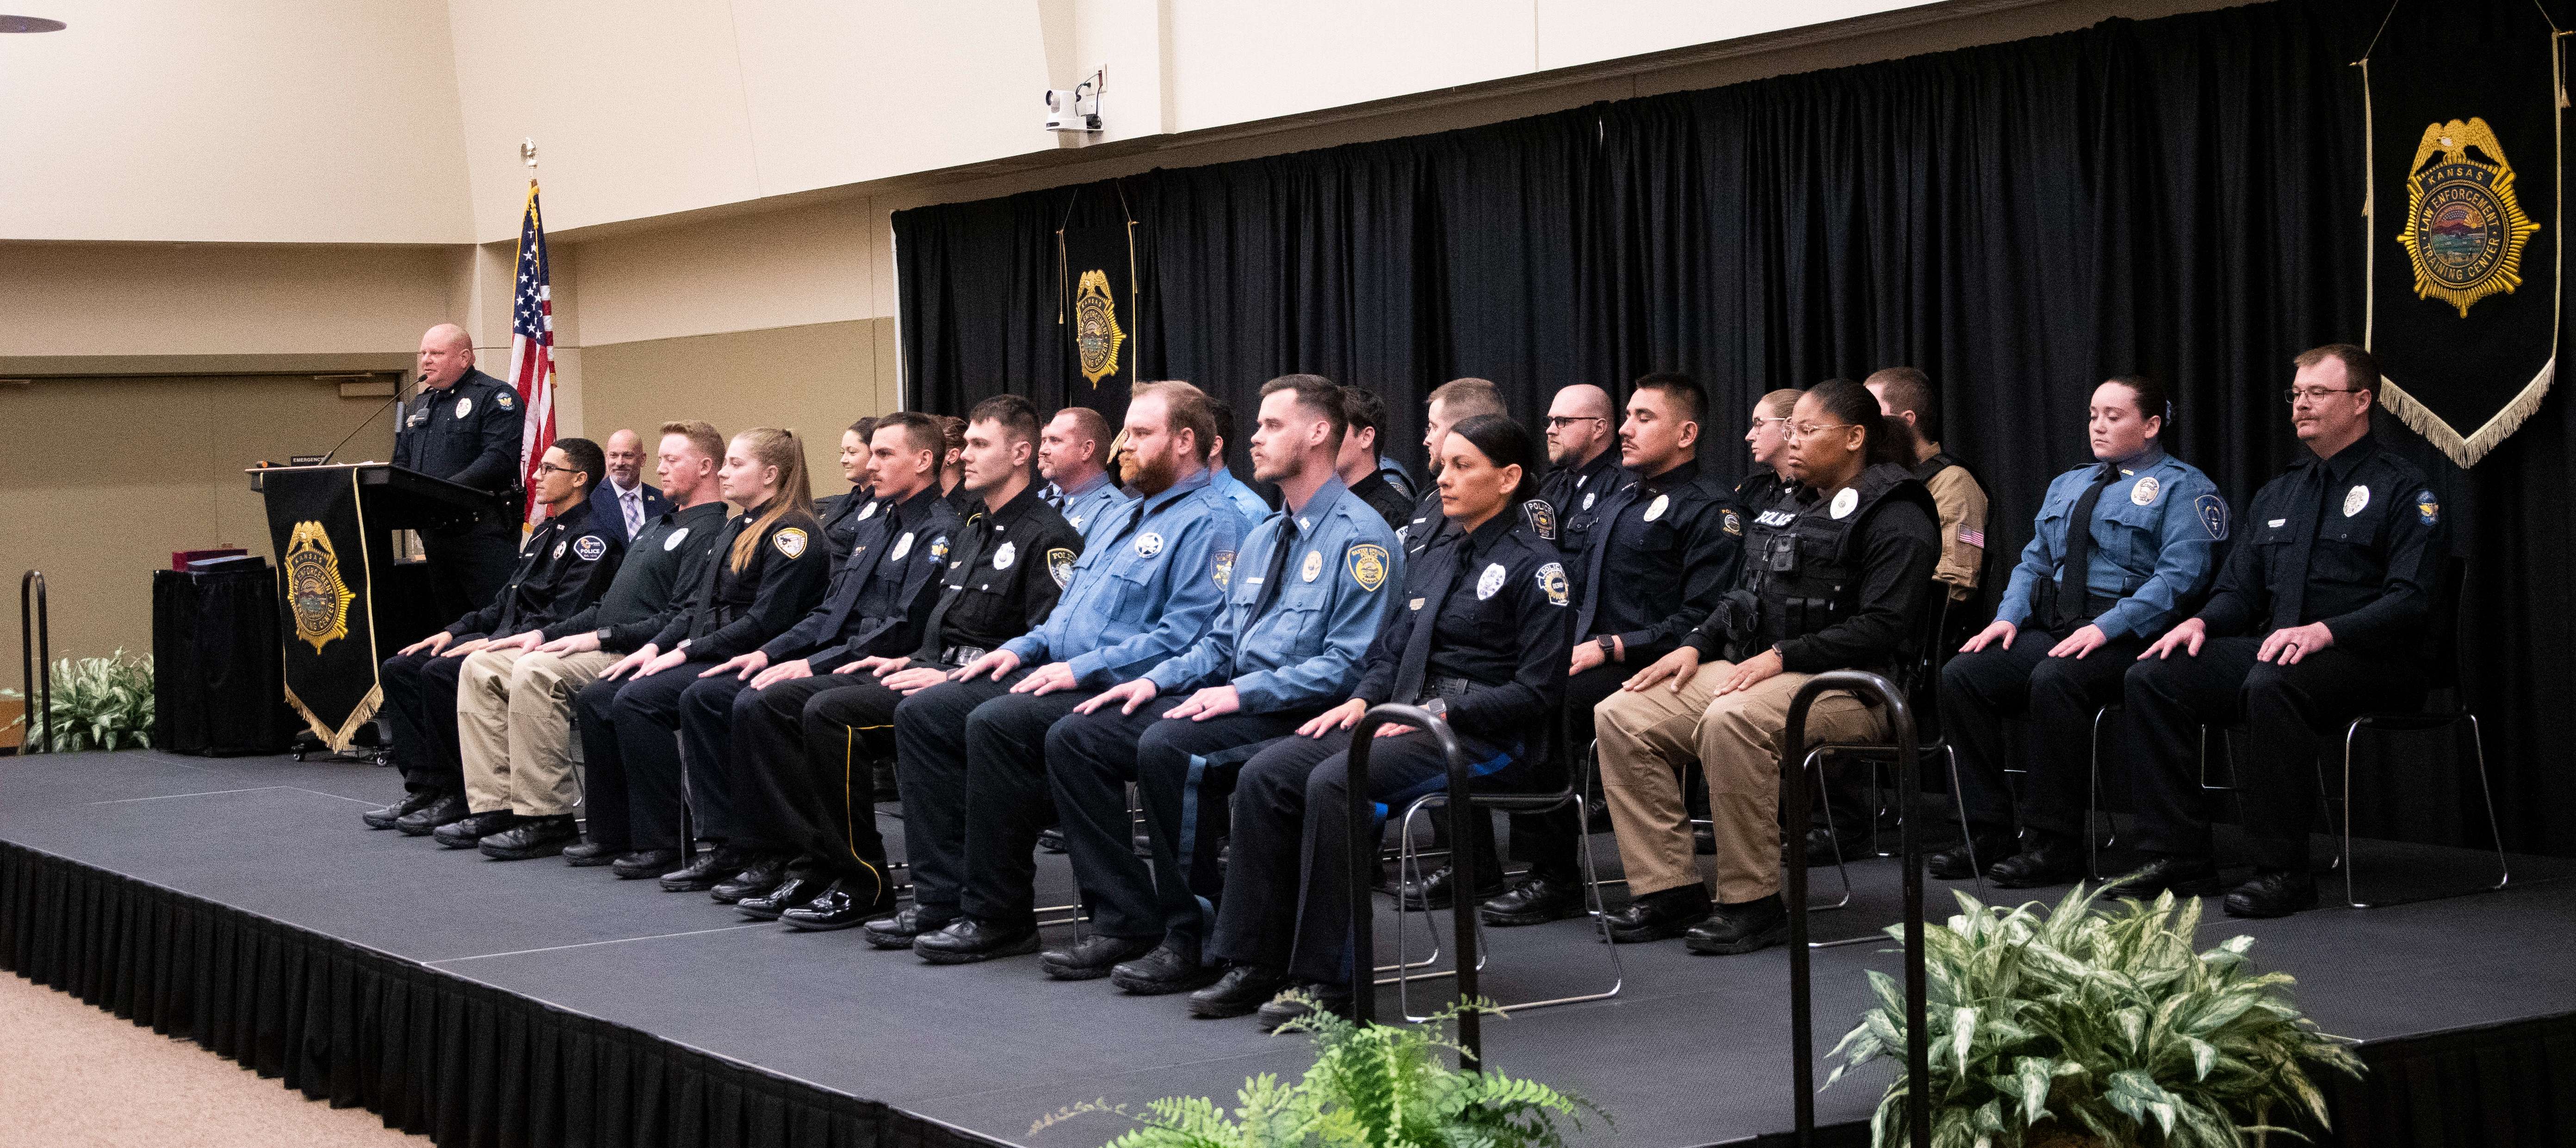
(1446, 689)
(959, 656)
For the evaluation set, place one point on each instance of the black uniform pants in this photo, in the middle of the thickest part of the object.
(1183, 772)
(2059, 696)
(970, 761)
(646, 716)
(2287, 711)
(420, 705)
(706, 735)
(845, 728)
(606, 820)
(775, 807)
(468, 567)
(1548, 842)
(1287, 902)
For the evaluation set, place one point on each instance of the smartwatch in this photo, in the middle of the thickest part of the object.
(1609, 648)
(602, 635)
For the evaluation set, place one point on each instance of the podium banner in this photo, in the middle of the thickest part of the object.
(328, 619)
(1099, 316)
(2465, 229)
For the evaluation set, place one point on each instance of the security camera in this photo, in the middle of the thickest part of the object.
(1075, 109)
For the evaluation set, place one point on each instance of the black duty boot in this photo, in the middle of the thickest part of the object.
(1239, 990)
(643, 863)
(1092, 957)
(1332, 998)
(1984, 847)
(2184, 876)
(2045, 859)
(1168, 969)
(386, 817)
(1740, 928)
(532, 837)
(902, 929)
(967, 940)
(440, 810)
(585, 854)
(1660, 915)
(465, 831)
(1432, 892)
(702, 874)
(1536, 900)
(760, 874)
(2274, 893)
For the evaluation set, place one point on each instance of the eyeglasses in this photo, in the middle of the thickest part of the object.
(1804, 429)
(1560, 422)
(1761, 421)
(550, 468)
(2315, 394)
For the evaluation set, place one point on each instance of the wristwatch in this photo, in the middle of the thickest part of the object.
(1609, 648)
(602, 635)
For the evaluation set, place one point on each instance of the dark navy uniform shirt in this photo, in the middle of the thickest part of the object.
(1006, 568)
(2354, 541)
(1575, 492)
(1664, 550)
(1497, 599)
(734, 611)
(662, 568)
(877, 601)
(563, 566)
(467, 433)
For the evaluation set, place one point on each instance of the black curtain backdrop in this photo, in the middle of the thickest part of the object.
(2179, 197)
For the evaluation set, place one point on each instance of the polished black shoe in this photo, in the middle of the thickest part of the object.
(967, 940)
(585, 854)
(1823, 848)
(1535, 900)
(532, 837)
(703, 873)
(440, 810)
(1092, 957)
(798, 889)
(1239, 990)
(1168, 969)
(1051, 840)
(1432, 892)
(902, 929)
(1740, 928)
(2273, 893)
(1983, 849)
(2183, 876)
(1281, 1009)
(386, 817)
(839, 907)
(644, 863)
(465, 831)
(2045, 859)
(760, 874)
(1660, 915)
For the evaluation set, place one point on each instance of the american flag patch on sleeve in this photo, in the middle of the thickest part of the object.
(1976, 538)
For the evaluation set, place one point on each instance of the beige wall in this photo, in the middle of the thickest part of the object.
(814, 380)
(99, 513)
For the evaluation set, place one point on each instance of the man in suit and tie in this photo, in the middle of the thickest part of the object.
(625, 498)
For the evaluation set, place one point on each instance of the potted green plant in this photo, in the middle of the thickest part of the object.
(2086, 1026)
(98, 703)
(1374, 1086)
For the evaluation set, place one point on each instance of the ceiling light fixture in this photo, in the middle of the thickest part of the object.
(29, 24)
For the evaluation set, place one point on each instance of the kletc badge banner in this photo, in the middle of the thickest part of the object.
(2465, 228)
(1098, 317)
(328, 621)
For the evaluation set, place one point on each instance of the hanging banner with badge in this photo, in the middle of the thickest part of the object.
(328, 620)
(1099, 295)
(2462, 110)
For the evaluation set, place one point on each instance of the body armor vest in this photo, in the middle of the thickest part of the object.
(1803, 561)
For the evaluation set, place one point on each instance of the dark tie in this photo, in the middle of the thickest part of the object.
(1278, 569)
(2073, 591)
(972, 553)
(1417, 645)
(1602, 528)
(2289, 599)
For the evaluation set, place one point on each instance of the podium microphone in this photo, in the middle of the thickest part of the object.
(362, 423)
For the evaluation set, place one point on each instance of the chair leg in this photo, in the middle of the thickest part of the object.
(2486, 796)
(1967, 836)
(1815, 777)
(2093, 801)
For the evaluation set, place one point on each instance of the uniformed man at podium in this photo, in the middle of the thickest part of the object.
(465, 427)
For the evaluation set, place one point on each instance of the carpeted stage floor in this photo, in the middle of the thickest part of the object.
(1692, 1053)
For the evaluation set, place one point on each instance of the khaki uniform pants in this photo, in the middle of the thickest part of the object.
(514, 723)
(1648, 737)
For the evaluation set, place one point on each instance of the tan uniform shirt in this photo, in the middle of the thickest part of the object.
(1963, 530)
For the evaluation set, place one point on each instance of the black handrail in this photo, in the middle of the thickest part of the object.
(1363, 861)
(1793, 790)
(35, 660)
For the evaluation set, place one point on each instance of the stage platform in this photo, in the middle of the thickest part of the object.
(157, 886)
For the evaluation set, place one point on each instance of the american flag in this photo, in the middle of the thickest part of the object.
(532, 352)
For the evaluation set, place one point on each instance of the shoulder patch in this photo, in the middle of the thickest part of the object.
(2427, 508)
(1542, 518)
(2213, 515)
(1221, 564)
(590, 547)
(1059, 561)
(939, 548)
(1368, 566)
(1731, 522)
(1551, 578)
(790, 541)
(505, 398)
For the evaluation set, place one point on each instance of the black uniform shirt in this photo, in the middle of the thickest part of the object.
(877, 601)
(661, 570)
(2354, 541)
(1498, 601)
(467, 433)
(1899, 548)
(841, 515)
(563, 567)
(734, 611)
(1668, 548)
(1427, 524)
(1382, 497)
(1003, 578)
(1576, 492)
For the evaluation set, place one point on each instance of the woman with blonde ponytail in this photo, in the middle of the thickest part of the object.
(772, 566)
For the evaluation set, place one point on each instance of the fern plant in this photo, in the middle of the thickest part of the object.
(1378, 1086)
(2104, 1025)
(98, 703)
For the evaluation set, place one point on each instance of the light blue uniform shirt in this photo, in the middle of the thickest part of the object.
(1093, 508)
(1144, 590)
(2155, 534)
(1304, 649)
(1247, 501)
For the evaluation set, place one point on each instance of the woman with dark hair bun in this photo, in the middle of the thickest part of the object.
(2124, 547)
(1837, 575)
(1480, 639)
